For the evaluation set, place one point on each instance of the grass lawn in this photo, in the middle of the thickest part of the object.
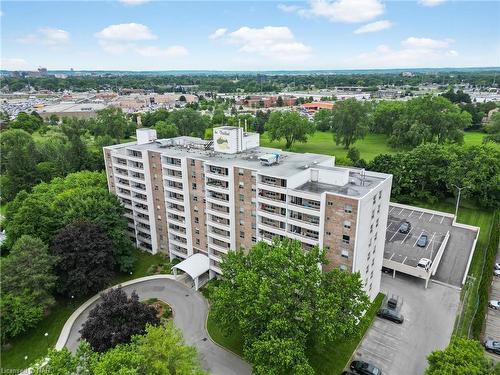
(34, 344)
(329, 360)
(369, 147)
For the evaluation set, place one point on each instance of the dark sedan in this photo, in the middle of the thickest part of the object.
(422, 241)
(390, 315)
(364, 368)
(405, 227)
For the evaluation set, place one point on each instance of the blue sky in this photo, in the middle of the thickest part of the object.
(249, 35)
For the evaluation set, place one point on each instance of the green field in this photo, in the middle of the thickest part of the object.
(326, 360)
(34, 344)
(369, 147)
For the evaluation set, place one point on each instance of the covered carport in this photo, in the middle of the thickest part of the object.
(195, 266)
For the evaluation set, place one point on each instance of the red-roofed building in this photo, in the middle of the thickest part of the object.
(315, 106)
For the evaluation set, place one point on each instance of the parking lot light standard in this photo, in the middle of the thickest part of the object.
(458, 198)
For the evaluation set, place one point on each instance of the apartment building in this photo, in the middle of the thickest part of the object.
(186, 196)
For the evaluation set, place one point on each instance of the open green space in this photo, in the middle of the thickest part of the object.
(326, 360)
(34, 344)
(369, 147)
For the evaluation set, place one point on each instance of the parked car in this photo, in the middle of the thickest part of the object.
(497, 266)
(425, 263)
(496, 273)
(422, 241)
(364, 368)
(405, 227)
(494, 304)
(492, 346)
(391, 315)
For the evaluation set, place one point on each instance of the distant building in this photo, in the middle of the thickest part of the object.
(72, 109)
(316, 106)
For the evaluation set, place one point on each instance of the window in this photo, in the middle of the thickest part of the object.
(378, 209)
(346, 239)
(371, 275)
(374, 199)
(345, 253)
(197, 231)
(371, 228)
(242, 222)
(193, 174)
(348, 208)
(195, 209)
(193, 162)
(327, 247)
(241, 184)
(254, 239)
(370, 242)
(330, 203)
(373, 214)
(253, 188)
(380, 194)
(242, 198)
(242, 210)
(371, 286)
(196, 219)
(156, 187)
(328, 233)
(159, 217)
(253, 213)
(376, 223)
(193, 185)
(197, 241)
(367, 269)
(373, 261)
(343, 267)
(241, 172)
(195, 198)
(347, 224)
(242, 234)
(254, 226)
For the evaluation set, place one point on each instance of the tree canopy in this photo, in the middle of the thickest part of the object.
(279, 299)
(289, 125)
(492, 128)
(81, 196)
(189, 122)
(462, 357)
(116, 319)
(165, 130)
(349, 122)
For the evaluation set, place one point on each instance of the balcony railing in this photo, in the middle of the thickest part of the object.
(308, 219)
(273, 210)
(220, 232)
(219, 220)
(218, 170)
(219, 208)
(271, 181)
(217, 183)
(306, 203)
(277, 197)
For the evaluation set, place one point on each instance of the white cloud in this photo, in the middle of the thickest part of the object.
(414, 53)
(413, 42)
(13, 64)
(288, 8)
(126, 32)
(133, 2)
(431, 3)
(272, 42)
(349, 11)
(373, 27)
(47, 36)
(219, 33)
(170, 52)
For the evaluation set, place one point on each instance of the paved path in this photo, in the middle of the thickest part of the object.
(190, 314)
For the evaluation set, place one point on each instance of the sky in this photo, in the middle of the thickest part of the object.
(248, 35)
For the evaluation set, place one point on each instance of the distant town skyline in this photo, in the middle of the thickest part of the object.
(243, 35)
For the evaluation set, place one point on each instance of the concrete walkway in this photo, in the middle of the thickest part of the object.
(190, 315)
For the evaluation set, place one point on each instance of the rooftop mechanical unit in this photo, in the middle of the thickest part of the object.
(270, 159)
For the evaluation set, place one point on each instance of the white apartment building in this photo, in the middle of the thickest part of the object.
(186, 196)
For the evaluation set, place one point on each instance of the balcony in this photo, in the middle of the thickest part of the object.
(143, 226)
(176, 238)
(272, 196)
(273, 223)
(170, 173)
(218, 196)
(138, 186)
(305, 203)
(176, 197)
(174, 185)
(179, 249)
(123, 191)
(134, 154)
(272, 209)
(175, 207)
(218, 170)
(306, 233)
(175, 228)
(142, 197)
(219, 184)
(121, 172)
(272, 181)
(219, 208)
(220, 232)
(137, 175)
(140, 206)
(218, 220)
(305, 218)
(120, 161)
(216, 253)
(135, 164)
(221, 245)
(142, 218)
(123, 182)
(176, 218)
(144, 237)
(172, 161)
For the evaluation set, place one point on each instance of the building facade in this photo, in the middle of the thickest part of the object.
(186, 195)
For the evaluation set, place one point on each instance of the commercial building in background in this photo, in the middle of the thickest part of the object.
(186, 196)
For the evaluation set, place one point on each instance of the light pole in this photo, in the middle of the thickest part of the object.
(460, 188)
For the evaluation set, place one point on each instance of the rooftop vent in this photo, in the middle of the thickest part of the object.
(270, 159)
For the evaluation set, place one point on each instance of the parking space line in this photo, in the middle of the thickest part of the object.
(392, 208)
(401, 211)
(442, 218)
(420, 215)
(396, 232)
(430, 241)
(431, 217)
(404, 260)
(411, 213)
(404, 239)
(388, 226)
(418, 238)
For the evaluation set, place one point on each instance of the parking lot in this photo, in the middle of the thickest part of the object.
(492, 327)
(403, 248)
(429, 318)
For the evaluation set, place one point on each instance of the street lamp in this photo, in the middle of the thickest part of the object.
(460, 188)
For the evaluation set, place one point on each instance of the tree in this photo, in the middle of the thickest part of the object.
(62, 362)
(349, 122)
(279, 299)
(189, 122)
(18, 161)
(289, 125)
(27, 122)
(28, 270)
(111, 121)
(78, 155)
(81, 196)
(53, 120)
(323, 120)
(353, 154)
(462, 357)
(493, 129)
(164, 130)
(259, 121)
(19, 313)
(85, 259)
(429, 119)
(116, 319)
(385, 114)
(279, 101)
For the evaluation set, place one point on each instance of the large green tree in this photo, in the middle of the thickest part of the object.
(290, 126)
(282, 303)
(164, 130)
(492, 128)
(384, 115)
(18, 160)
(111, 121)
(349, 122)
(462, 357)
(81, 196)
(28, 122)
(189, 122)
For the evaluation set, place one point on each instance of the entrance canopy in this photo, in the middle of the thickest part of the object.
(195, 266)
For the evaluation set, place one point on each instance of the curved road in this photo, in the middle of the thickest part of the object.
(190, 314)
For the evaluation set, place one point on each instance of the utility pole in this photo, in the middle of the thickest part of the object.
(460, 188)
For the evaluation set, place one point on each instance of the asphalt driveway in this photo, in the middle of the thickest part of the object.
(190, 314)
